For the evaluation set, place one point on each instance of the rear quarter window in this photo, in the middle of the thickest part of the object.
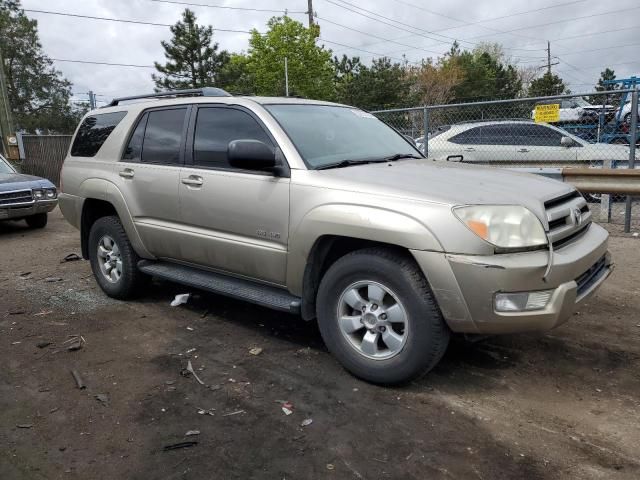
(93, 132)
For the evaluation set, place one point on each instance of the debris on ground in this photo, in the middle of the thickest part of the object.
(330, 466)
(306, 422)
(25, 274)
(185, 372)
(287, 408)
(202, 411)
(43, 344)
(190, 329)
(191, 433)
(237, 412)
(76, 376)
(72, 257)
(103, 398)
(177, 446)
(191, 350)
(16, 343)
(76, 342)
(43, 312)
(24, 425)
(180, 299)
(255, 351)
(53, 279)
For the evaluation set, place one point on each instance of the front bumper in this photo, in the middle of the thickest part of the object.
(465, 285)
(18, 211)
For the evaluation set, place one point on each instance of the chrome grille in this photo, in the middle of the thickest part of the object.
(568, 217)
(16, 197)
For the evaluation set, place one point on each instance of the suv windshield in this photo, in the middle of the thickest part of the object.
(327, 134)
(4, 166)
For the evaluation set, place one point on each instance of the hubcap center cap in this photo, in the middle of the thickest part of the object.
(370, 319)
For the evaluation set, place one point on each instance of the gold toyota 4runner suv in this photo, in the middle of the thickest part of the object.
(324, 211)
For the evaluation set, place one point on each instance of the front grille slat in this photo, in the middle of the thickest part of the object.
(10, 198)
(589, 277)
(568, 216)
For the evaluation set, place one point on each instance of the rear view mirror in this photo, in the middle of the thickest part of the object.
(251, 155)
(567, 142)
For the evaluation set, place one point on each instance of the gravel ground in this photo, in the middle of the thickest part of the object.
(565, 404)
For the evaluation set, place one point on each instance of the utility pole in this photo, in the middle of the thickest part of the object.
(310, 11)
(6, 121)
(548, 57)
(286, 77)
(92, 100)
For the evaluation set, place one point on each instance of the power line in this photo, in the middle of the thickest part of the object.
(376, 36)
(120, 20)
(381, 55)
(102, 63)
(246, 9)
(615, 30)
(600, 49)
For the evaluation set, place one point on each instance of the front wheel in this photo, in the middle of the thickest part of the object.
(378, 317)
(113, 260)
(39, 220)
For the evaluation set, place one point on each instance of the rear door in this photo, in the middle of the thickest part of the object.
(234, 220)
(148, 177)
(484, 144)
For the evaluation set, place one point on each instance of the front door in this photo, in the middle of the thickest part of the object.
(540, 145)
(236, 221)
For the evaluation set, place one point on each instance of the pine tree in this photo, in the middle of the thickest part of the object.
(193, 60)
(608, 74)
(38, 93)
(548, 84)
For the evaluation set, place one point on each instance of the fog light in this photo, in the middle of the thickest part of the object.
(522, 301)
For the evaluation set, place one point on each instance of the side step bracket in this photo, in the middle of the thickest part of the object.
(264, 295)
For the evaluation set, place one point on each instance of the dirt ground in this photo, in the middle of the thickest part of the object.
(565, 404)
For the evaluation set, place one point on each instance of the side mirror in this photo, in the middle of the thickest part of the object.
(567, 142)
(251, 155)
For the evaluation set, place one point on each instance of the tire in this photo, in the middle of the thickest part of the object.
(425, 335)
(127, 280)
(627, 118)
(39, 220)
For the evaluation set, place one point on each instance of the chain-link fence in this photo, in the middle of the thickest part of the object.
(587, 130)
(43, 155)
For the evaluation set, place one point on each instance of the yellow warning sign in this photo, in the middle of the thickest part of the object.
(547, 113)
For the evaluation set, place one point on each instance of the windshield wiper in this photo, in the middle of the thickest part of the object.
(347, 163)
(399, 156)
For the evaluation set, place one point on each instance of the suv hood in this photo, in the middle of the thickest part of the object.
(447, 183)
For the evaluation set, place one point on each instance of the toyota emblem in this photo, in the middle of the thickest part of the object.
(577, 216)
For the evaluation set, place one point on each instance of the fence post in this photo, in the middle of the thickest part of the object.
(633, 137)
(426, 131)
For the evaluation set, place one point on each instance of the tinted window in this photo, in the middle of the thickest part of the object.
(538, 135)
(163, 136)
(471, 136)
(134, 148)
(215, 128)
(93, 132)
(502, 134)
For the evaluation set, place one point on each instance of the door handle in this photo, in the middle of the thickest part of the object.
(126, 173)
(193, 181)
(470, 149)
(523, 150)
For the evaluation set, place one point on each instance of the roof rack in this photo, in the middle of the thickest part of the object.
(191, 92)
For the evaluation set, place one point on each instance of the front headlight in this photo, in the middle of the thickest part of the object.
(505, 226)
(38, 194)
(51, 193)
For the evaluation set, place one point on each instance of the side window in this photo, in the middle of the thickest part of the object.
(538, 135)
(502, 134)
(133, 151)
(215, 128)
(471, 136)
(163, 136)
(93, 132)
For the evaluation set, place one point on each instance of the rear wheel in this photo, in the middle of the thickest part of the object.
(113, 260)
(378, 317)
(39, 220)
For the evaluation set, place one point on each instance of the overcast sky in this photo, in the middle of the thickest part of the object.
(415, 28)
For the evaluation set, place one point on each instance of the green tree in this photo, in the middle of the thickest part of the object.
(38, 93)
(235, 77)
(346, 71)
(607, 75)
(309, 65)
(193, 60)
(548, 84)
(485, 75)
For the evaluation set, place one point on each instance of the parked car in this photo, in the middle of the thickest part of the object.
(578, 110)
(25, 197)
(519, 141)
(625, 112)
(324, 211)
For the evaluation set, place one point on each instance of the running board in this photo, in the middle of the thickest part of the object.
(264, 295)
